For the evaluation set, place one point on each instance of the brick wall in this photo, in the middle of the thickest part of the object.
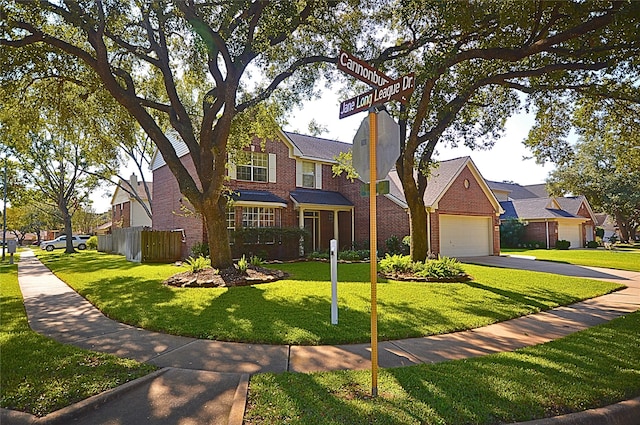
(167, 203)
(536, 231)
(121, 214)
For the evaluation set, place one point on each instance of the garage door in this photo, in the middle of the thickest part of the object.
(571, 233)
(465, 236)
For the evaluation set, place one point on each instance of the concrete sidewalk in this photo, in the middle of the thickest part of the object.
(206, 381)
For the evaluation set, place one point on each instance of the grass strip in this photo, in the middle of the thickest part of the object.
(588, 369)
(39, 375)
(628, 259)
(297, 310)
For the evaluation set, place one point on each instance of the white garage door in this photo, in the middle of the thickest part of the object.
(465, 236)
(571, 233)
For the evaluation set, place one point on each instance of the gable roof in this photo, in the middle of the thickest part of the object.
(316, 148)
(536, 209)
(440, 180)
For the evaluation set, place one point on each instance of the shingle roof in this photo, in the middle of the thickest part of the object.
(256, 196)
(515, 190)
(533, 208)
(317, 147)
(319, 197)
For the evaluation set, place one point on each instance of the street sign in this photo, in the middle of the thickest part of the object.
(387, 150)
(361, 70)
(399, 89)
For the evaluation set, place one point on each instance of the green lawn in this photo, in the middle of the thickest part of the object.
(297, 310)
(628, 259)
(39, 375)
(589, 369)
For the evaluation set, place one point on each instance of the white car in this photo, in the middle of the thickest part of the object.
(79, 242)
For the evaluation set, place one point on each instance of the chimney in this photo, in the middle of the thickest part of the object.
(133, 180)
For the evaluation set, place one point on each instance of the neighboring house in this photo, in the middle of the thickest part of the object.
(290, 184)
(126, 210)
(609, 226)
(548, 218)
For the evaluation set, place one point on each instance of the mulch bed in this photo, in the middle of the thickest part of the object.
(226, 278)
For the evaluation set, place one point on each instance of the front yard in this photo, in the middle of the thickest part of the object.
(297, 310)
(589, 369)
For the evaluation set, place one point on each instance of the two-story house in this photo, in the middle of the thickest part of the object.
(290, 184)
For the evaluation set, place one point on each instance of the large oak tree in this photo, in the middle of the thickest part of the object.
(476, 61)
(191, 66)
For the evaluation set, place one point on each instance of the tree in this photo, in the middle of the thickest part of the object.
(604, 164)
(57, 141)
(188, 65)
(474, 60)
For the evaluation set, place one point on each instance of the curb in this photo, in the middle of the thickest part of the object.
(69, 413)
(236, 415)
(623, 413)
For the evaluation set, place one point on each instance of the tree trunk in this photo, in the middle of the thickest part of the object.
(418, 229)
(68, 230)
(623, 226)
(215, 220)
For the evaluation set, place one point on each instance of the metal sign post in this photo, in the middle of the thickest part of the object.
(373, 249)
(384, 90)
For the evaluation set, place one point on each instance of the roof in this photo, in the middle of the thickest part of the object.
(317, 147)
(256, 197)
(540, 190)
(319, 197)
(534, 208)
(516, 191)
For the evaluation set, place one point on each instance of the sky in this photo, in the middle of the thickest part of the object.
(504, 162)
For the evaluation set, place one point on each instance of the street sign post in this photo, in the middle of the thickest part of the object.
(384, 90)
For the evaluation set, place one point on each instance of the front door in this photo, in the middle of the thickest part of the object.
(312, 225)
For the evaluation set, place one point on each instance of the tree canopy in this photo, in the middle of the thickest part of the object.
(191, 66)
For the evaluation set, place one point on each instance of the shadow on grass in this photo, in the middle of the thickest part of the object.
(585, 370)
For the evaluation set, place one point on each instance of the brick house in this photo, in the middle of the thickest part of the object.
(288, 183)
(548, 219)
(126, 210)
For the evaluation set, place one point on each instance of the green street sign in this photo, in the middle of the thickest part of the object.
(382, 188)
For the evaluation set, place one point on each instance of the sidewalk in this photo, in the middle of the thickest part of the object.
(204, 381)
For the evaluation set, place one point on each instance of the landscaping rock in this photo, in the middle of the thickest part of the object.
(210, 278)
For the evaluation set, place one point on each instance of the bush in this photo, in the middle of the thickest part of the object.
(256, 261)
(592, 244)
(396, 246)
(563, 244)
(200, 249)
(353, 255)
(198, 263)
(600, 232)
(511, 233)
(92, 242)
(442, 268)
(534, 245)
(396, 264)
(315, 255)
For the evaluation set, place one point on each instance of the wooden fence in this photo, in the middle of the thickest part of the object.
(139, 244)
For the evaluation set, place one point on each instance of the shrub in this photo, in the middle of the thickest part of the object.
(563, 244)
(396, 264)
(353, 255)
(243, 264)
(592, 244)
(396, 246)
(256, 261)
(198, 263)
(511, 233)
(92, 242)
(200, 249)
(318, 255)
(442, 268)
(600, 232)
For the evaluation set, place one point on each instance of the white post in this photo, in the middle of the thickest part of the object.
(334, 281)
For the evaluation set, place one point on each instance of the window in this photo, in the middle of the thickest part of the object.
(255, 169)
(309, 175)
(259, 217)
(231, 222)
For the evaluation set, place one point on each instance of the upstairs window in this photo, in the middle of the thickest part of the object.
(309, 175)
(256, 169)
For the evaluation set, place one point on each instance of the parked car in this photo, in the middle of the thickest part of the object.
(79, 242)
